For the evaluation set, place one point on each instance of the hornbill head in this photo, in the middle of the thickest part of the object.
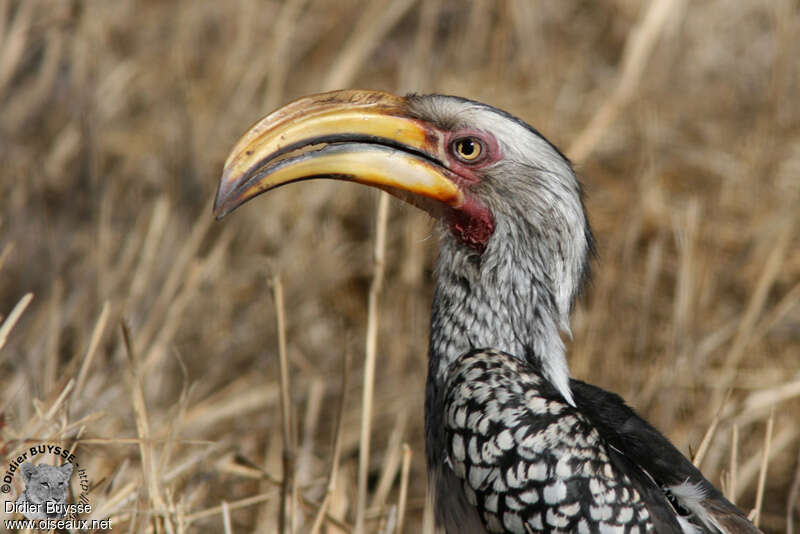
(509, 200)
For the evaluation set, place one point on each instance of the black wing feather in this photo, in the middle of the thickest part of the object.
(644, 446)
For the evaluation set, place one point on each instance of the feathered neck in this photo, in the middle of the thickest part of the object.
(506, 299)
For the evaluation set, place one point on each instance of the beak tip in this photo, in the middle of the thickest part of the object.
(221, 208)
(217, 209)
(223, 203)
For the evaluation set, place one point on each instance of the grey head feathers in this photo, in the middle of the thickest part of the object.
(517, 295)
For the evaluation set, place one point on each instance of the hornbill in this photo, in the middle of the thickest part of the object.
(513, 444)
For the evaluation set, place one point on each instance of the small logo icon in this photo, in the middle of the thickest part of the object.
(46, 499)
(45, 495)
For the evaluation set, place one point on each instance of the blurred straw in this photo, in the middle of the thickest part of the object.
(14, 34)
(639, 46)
(226, 518)
(279, 54)
(755, 515)
(375, 22)
(417, 63)
(94, 341)
(402, 499)
(337, 449)
(286, 516)
(794, 496)
(756, 305)
(733, 469)
(13, 317)
(370, 354)
(7, 249)
(704, 445)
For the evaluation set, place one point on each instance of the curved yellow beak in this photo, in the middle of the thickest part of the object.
(361, 136)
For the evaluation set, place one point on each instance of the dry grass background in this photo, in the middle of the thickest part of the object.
(115, 118)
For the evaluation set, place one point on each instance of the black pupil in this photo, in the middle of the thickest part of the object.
(467, 147)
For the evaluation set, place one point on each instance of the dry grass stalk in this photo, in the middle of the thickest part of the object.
(6, 252)
(315, 397)
(685, 293)
(286, 516)
(755, 515)
(62, 396)
(403, 498)
(427, 516)
(230, 505)
(13, 317)
(370, 355)
(54, 337)
(14, 36)
(152, 239)
(709, 435)
(750, 470)
(391, 462)
(376, 21)
(639, 46)
(251, 470)
(337, 449)
(755, 307)
(176, 276)
(281, 46)
(730, 489)
(149, 469)
(759, 403)
(414, 71)
(174, 426)
(239, 398)
(792, 499)
(94, 342)
(226, 518)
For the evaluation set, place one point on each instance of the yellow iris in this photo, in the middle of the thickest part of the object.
(467, 148)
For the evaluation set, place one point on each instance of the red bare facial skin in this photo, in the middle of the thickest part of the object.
(472, 223)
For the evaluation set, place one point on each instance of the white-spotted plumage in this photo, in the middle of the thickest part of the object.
(552, 484)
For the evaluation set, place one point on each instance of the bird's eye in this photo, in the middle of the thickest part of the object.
(467, 148)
